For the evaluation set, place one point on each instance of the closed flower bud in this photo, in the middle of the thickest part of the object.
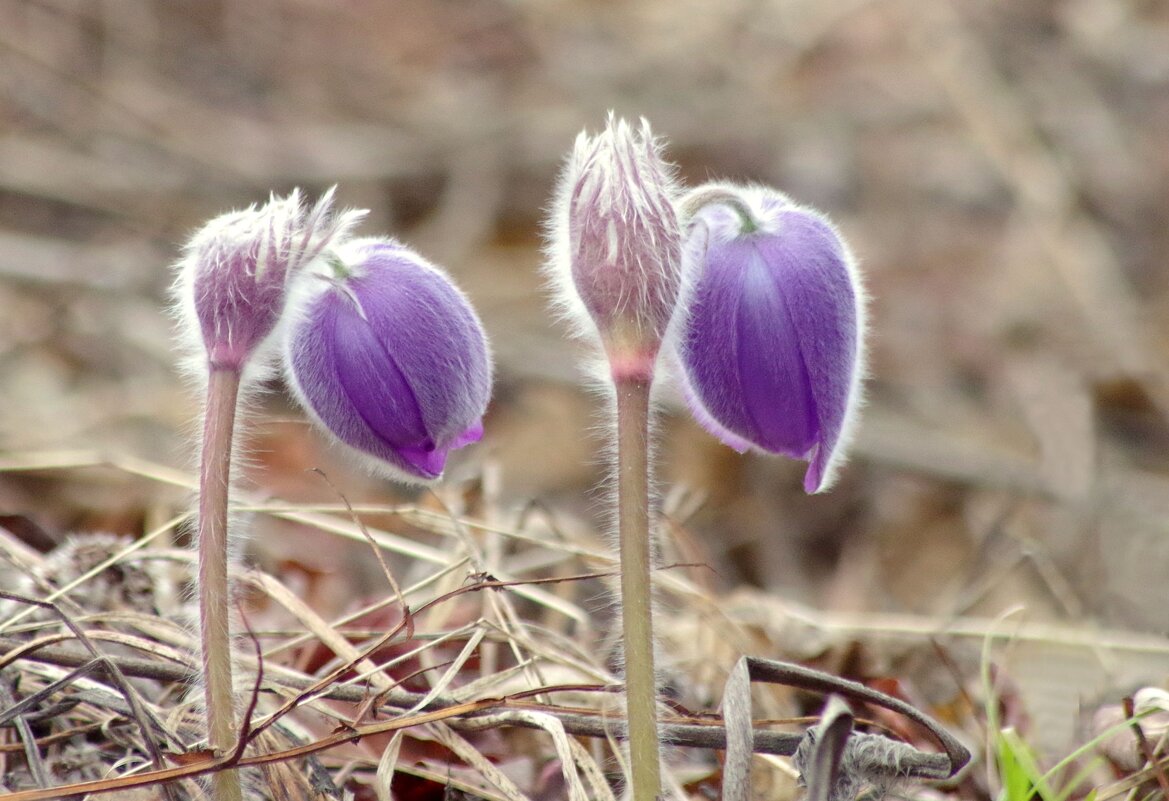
(772, 346)
(389, 356)
(616, 248)
(235, 271)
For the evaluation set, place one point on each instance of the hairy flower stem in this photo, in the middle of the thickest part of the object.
(214, 597)
(633, 527)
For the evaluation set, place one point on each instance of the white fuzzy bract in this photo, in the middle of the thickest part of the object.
(232, 280)
(614, 254)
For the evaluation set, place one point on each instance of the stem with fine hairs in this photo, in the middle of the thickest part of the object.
(633, 528)
(214, 592)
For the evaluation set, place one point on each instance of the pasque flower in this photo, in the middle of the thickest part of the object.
(389, 357)
(615, 256)
(232, 293)
(235, 272)
(616, 242)
(772, 343)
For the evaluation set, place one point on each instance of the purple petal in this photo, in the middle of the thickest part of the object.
(771, 370)
(372, 381)
(712, 426)
(434, 336)
(823, 307)
(334, 353)
(741, 351)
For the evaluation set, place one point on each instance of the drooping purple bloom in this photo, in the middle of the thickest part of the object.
(389, 357)
(234, 275)
(772, 345)
(616, 240)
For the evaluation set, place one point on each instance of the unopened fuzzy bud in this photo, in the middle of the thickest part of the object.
(234, 275)
(616, 247)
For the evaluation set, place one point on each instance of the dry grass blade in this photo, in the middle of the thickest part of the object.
(593, 772)
(148, 725)
(377, 553)
(28, 741)
(422, 553)
(201, 763)
(452, 671)
(555, 729)
(51, 739)
(385, 768)
(21, 649)
(464, 750)
(740, 734)
(583, 722)
(300, 639)
(16, 709)
(322, 630)
(64, 590)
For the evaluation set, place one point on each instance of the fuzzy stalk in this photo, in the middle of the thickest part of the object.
(214, 594)
(633, 528)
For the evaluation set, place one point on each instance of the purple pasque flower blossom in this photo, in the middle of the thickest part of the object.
(389, 357)
(234, 275)
(772, 345)
(615, 251)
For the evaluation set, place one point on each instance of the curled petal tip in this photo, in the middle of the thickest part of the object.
(814, 477)
(473, 434)
(428, 462)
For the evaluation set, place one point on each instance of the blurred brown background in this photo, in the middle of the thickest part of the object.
(1002, 170)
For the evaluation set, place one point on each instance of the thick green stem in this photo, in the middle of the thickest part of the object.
(214, 594)
(633, 526)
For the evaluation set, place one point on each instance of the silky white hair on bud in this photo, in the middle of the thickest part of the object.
(283, 235)
(613, 252)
